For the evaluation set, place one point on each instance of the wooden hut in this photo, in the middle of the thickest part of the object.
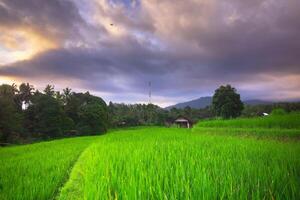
(183, 122)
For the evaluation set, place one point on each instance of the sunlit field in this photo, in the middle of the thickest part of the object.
(160, 163)
(38, 170)
(153, 163)
(285, 126)
(284, 121)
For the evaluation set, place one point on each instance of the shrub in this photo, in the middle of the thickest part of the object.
(278, 111)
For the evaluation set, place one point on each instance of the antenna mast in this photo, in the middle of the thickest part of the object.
(150, 92)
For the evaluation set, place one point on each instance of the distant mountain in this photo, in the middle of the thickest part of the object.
(203, 102)
(253, 102)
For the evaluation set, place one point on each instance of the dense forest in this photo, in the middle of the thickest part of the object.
(27, 114)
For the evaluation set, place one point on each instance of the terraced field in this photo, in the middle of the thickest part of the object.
(37, 171)
(154, 163)
(158, 163)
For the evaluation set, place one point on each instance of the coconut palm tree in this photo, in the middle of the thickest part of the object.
(49, 90)
(25, 92)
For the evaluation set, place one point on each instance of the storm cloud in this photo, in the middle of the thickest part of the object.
(185, 48)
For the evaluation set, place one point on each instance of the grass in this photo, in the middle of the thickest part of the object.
(263, 133)
(287, 121)
(285, 126)
(36, 171)
(207, 162)
(161, 163)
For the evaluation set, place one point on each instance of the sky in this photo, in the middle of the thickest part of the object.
(187, 49)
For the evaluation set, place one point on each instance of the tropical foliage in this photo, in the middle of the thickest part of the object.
(26, 113)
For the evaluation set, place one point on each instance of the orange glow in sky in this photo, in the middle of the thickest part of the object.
(21, 44)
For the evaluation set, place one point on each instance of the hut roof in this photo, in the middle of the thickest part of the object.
(182, 119)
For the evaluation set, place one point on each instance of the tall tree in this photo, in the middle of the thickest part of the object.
(227, 102)
(8, 90)
(49, 90)
(67, 92)
(59, 97)
(25, 93)
(10, 118)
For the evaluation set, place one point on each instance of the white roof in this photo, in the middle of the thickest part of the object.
(181, 120)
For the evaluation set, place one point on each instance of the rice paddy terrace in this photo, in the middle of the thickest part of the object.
(211, 161)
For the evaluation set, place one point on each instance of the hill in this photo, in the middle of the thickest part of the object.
(257, 102)
(203, 102)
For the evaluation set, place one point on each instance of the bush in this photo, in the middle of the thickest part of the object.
(15, 138)
(278, 111)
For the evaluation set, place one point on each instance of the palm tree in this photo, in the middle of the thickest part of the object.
(67, 94)
(25, 92)
(8, 90)
(49, 90)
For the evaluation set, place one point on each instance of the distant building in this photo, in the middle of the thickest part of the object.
(183, 122)
(25, 105)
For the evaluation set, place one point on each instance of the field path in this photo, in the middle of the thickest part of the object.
(37, 171)
(68, 172)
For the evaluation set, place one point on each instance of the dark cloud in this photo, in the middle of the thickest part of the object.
(185, 49)
(58, 19)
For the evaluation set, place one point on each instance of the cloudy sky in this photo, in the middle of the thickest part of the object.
(186, 48)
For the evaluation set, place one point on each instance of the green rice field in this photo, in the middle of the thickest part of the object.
(177, 164)
(206, 162)
(285, 126)
(285, 121)
(37, 171)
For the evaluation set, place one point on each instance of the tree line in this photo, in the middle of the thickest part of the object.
(226, 104)
(122, 115)
(26, 113)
